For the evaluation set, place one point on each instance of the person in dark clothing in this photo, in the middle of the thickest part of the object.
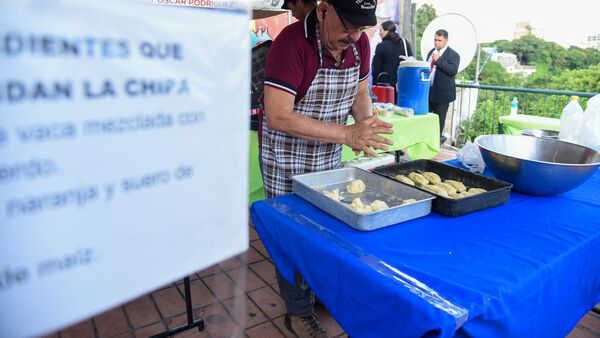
(444, 63)
(389, 53)
(299, 8)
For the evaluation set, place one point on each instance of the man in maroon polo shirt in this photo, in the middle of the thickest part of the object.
(316, 75)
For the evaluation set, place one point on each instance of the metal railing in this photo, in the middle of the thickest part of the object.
(478, 107)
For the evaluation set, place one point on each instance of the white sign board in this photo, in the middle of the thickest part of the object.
(462, 37)
(123, 153)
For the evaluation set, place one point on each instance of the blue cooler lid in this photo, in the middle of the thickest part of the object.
(414, 64)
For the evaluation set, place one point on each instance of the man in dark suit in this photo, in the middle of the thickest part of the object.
(444, 66)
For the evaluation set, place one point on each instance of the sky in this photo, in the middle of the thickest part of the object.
(566, 22)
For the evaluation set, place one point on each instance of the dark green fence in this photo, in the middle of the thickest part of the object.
(477, 108)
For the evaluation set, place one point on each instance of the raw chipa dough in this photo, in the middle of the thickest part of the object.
(356, 186)
(433, 178)
(476, 191)
(377, 205)
(459, 186)
(358, 206)
(405, 180)
(334, 195)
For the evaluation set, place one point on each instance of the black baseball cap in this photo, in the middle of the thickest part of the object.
(359, 13)
(285, 2)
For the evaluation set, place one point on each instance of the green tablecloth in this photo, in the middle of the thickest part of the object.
(513, 124)
(255, 183)
(419, 136)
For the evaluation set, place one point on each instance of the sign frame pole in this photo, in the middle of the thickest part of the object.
(199, 323)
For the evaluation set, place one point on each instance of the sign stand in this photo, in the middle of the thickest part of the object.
(190, 315)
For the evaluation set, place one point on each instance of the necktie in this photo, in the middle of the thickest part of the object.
(432, 64)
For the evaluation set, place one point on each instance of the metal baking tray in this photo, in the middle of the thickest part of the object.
(497, 193)
(311, 187)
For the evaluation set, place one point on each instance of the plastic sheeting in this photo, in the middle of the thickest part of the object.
(530, 267)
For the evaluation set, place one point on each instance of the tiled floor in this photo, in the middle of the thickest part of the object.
(237, 298)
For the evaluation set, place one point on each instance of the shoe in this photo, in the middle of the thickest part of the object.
(305, 327)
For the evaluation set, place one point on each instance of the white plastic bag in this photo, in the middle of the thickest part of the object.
(571, 121)
(470, 156)
(590, 131)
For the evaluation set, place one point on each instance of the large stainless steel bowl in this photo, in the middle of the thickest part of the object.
(538, 166)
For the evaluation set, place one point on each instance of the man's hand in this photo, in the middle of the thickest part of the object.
(436, 55)
(364, 135)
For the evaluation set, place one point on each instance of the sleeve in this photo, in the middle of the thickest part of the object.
(364, 52)
(429, 54)
(377, 63)
(409, 51)
(449, 64)
(285, 64)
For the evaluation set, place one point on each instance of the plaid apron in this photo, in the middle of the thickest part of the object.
(328, 99)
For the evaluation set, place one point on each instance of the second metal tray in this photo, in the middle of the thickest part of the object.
(311, 187)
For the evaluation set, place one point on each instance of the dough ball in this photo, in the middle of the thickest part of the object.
(358, 206)
(334, 195)
(377, 205)
(356, 186)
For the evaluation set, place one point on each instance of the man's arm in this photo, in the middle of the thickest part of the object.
(449, 64)
(362, 108)
(429, 54)
(280, 115)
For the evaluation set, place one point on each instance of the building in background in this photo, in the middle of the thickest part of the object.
(506, 60)
(592, 41)
(523, 28)
(511, 64)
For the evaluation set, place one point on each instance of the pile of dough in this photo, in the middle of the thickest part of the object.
(476, 191)
(404, 179)
(356, 186)
(450, 189)
(334, 195)
(377, 205)
(418, 178)
(433, 183)
(459, 186)
(435, 189)
(358, 206)
(409, 201)
(433, 178)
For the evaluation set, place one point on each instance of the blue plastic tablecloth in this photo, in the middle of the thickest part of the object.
(530, 267)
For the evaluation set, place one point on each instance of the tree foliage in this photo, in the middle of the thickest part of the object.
(531, 50)
(557, 68)
(425, 14)
(492, 73)
(578, 80)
